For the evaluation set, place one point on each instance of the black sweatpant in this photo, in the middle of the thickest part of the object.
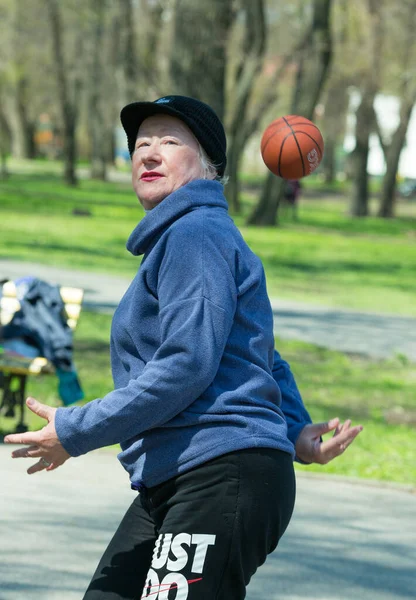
(202, 534)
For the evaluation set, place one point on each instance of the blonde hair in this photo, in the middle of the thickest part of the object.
(210, 169)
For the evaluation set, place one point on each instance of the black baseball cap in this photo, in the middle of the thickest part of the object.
(200, 118)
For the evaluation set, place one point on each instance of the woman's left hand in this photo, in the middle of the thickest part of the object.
(43, 444)
(310, 448)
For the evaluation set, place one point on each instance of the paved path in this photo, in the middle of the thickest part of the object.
(347, 540)
(349, 331)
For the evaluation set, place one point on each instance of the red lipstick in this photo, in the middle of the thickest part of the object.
(150, 175)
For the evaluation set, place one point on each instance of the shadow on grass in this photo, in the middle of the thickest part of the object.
(370, 226)
(90, 346)
(355, 413)
(25, 186)
(38, 198)
(65, 249)
(330, 266)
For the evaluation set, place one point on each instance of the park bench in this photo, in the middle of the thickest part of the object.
(15, 369)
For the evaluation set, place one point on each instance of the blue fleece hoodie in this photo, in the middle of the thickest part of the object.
(192, 349)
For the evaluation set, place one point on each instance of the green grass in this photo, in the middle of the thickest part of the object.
(338, 266)
(325, 258)
(332, 384)
(367, 391)
(38, 223)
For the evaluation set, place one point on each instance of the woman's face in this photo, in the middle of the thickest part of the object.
(166, 157)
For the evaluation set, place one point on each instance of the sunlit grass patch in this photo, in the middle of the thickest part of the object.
(332, 384)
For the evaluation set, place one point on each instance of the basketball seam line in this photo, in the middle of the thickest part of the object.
(313, 139)
(281, 151)
(297, 144)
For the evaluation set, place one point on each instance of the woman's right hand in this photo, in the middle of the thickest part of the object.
(43, 444)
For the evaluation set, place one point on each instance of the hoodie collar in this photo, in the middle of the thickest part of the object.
(197, 193)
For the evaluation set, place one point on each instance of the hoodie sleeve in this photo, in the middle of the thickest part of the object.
(197, 301)
(292, 405)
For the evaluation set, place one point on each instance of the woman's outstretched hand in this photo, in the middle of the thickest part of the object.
(310, 448)
(43, 444)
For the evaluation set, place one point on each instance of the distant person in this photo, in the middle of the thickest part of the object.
(208, 415)
(291, 195)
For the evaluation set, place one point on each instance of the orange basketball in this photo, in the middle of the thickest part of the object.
(292, 147)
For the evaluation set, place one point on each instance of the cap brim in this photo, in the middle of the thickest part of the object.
(133, 115)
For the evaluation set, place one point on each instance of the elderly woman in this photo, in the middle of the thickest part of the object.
(208, 415)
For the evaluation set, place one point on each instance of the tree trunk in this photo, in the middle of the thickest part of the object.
(360, 182)
(3, 166)
(198, 55)
(22, 128)
(336, 107)
(96, 114)
(152, 49)
(408, 99)
(4, 146)
(129, 52)
(67, 108)
(312, 72)
(386, 209)
(233, 183)
(253, 52)
(113, 84)
(365, 113)
(248, 123)
(265, 213)
(363, 128)
(328, 161)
